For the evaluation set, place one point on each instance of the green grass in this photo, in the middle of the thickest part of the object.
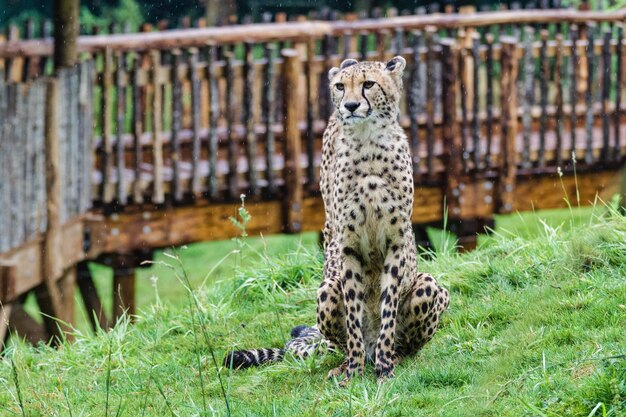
(535, 328)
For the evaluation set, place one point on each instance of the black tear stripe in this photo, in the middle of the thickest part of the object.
(383, 91)
(369, 106)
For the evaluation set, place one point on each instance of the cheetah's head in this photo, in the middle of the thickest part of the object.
(364, 90)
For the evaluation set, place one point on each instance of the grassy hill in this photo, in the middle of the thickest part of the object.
(535, 328)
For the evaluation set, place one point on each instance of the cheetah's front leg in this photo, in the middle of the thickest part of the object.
(393, 271)
(353, 295)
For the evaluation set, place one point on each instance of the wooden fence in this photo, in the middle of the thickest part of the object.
(23, 196)
(174, 126)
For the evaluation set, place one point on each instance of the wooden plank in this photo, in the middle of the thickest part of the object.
(177, 123)
(546, 192)
(120, 126)
(528, 96)
(617, 112)
(125, 232)
(158, 194)
(196, 89)
(293, 174)
(430, 101)
(476, 152)
(588, 102)
(269, 106)
(233, 148)
(544, 77)
(4, 166)
(310, 95)
(139, 105)
(106, 187)
(606, 152)
(574, 65)
(558, 101)
(508, 166)
(248, 117)
(464, 91)
(414, 99)
(300, 31)
(453, 152)
(213, 119)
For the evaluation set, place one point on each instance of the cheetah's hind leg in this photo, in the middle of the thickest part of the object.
(420, 310)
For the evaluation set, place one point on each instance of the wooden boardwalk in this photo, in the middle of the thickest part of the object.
(152, 140)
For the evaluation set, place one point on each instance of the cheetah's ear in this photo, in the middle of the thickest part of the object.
(396, 65)
(348, 63)
(345, 64)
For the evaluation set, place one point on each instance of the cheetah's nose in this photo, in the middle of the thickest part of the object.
(352, 105)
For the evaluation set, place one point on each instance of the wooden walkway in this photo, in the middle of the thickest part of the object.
(150, 142)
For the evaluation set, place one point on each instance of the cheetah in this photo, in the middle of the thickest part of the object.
(372, 304)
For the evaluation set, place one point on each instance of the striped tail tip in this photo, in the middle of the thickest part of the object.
(240, 359)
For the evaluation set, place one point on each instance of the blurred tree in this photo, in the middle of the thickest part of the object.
(65, 32)
(218, 10)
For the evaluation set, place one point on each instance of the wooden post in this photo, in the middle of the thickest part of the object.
(65, 32)
(48, 294)
(124, 287)
(5, 314)
(66, 286)
(95, 311)
(452, 152)
(292, 97)
(508, 104)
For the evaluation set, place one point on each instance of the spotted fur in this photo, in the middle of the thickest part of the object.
(372, 303)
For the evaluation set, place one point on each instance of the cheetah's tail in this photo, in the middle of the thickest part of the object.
(304, 342)
(239, 359)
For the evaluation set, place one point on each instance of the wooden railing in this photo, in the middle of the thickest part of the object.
(191, 113)
(199, 113)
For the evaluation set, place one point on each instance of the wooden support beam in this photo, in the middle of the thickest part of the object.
(20, 268)
(66, 285)
(292, 101)
(25, 326)
(7, 280)
(48, 295)
(93, 305)
(124, 287)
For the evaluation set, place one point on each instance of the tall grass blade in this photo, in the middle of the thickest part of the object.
(108, 380)
(16, 381)
(167, 402)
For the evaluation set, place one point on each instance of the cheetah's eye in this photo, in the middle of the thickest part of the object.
(339, 86)
(368, 84)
